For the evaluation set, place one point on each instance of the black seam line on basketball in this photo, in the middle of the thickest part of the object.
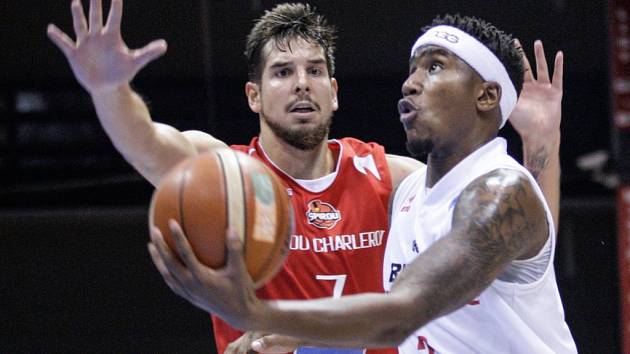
(245, 229)
(227, 191)
(182, 187)
(227, 197)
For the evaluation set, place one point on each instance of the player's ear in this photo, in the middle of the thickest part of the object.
(252, 91)
(335, 89)
(488, 96)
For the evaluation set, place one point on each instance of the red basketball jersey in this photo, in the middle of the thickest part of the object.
(340, 232)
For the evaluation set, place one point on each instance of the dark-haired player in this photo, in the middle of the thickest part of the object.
(470, 255)
(290, 54)
(337, 248)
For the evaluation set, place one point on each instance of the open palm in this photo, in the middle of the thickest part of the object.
(538, 110)
(99, 58)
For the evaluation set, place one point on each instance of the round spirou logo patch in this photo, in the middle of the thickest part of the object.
(322, 214)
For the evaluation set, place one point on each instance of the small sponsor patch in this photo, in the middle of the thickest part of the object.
(322, 214)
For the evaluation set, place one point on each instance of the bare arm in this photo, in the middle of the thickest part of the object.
(536, 118)
(542, 159)
(498, 218)
(151, 148)
(104, 66)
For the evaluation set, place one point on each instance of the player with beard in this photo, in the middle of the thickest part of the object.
(292, 89)
(290, 55)
(469, 260)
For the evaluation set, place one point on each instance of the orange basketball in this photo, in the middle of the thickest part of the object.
(224, 188)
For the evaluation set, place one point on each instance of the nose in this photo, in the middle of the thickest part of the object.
(302, 82)
(410, 87)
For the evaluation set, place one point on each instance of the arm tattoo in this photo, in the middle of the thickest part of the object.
(536, 161)
(502, 217)
(497, 219)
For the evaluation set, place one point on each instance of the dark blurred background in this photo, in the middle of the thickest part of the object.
(76, 276)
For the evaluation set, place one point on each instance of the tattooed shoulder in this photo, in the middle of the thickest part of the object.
(502, 217)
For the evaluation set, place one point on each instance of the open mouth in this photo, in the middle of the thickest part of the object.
(408, 112)
(405, 107)
(302, 107)
(302, 110)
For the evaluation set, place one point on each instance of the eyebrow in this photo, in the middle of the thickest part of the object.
(281, 64)
(317, 61)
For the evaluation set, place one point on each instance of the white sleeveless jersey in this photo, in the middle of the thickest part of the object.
(506, 317)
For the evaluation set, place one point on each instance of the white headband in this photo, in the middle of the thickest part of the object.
(478, 56)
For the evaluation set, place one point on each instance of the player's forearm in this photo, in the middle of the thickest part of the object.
(150, 148)
(359, 321)
(439, 281)
(541, 156)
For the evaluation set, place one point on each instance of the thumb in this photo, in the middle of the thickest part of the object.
(148, 53)
(274, 343)
(60, 39)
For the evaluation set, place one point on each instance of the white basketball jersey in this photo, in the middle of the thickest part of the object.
(507, 317)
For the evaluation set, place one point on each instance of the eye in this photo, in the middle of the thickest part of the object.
(412, 69)
(315, 71)
(283, 72)
(435, 67)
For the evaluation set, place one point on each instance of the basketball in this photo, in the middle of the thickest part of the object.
(221, 189)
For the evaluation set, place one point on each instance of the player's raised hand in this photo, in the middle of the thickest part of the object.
(99, 58)
(538, 110)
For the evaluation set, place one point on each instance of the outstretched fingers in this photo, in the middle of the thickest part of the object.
(558, 71)
(542, 71)
(96, 16)
(115, 16)
(528, 76)
(148, 53)
(78, 20)
(61, 40)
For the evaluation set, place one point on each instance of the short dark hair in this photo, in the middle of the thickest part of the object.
(286, 22)
(499, 42)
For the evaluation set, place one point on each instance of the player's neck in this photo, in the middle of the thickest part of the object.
(441, 161)
(297, 163)
(438, 166)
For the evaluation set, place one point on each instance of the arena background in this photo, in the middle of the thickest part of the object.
(76, 276)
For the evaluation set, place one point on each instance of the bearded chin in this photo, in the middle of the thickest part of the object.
(419, 148)
(300, 138)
